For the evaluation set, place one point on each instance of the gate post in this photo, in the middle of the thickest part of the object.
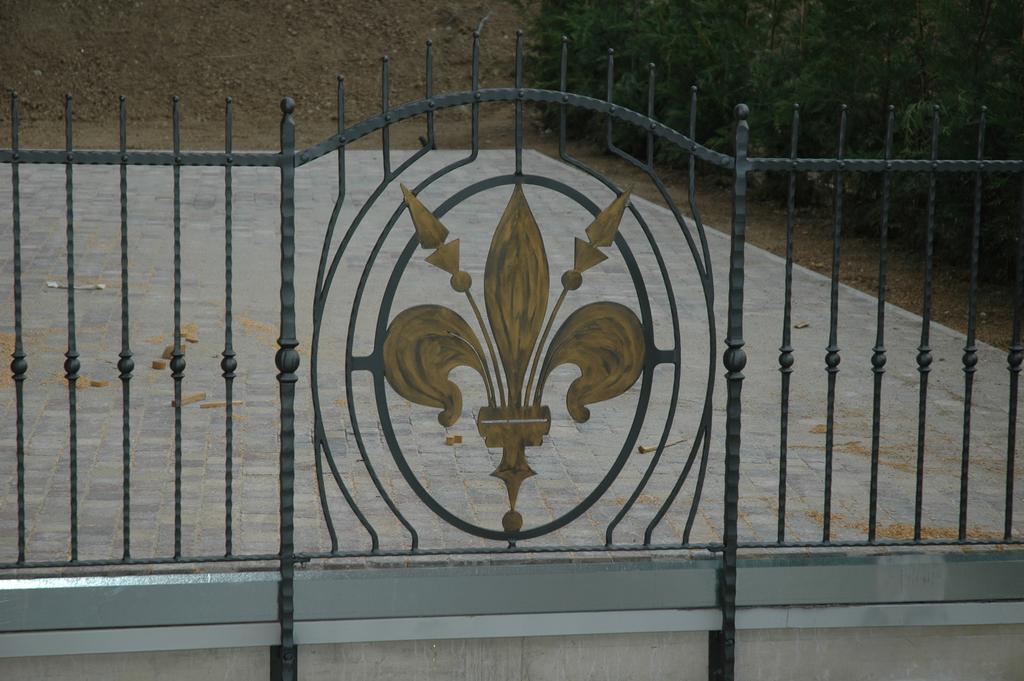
(283, 657)
(722, 655)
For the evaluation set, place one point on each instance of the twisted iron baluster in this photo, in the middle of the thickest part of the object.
(287, 361)
(878, 353)
(71, 363)
(734, 360)
(832, 351)
(786, 349)
(228, 363)
(125, 364)
(177, 356)
(924, 351)
(970, 356)
(19, 364)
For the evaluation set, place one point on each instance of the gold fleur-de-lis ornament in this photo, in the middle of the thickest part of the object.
(424, 343)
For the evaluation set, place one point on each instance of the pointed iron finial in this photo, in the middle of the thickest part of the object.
(602, 230)
(429, 230)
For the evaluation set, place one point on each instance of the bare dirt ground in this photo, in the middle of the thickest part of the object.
(257, 51)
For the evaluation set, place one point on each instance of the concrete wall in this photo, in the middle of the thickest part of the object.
(978, 653)
(224, 664)
(618, 657)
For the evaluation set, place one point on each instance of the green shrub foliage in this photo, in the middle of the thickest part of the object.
(770, 54)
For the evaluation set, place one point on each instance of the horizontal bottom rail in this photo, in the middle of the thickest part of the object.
(396, 553)
(357, 594)
(514, 550)
(511, 550)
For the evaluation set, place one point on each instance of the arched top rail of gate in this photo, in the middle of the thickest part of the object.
(419, 107)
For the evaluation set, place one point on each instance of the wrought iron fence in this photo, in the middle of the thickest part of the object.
(415, 350)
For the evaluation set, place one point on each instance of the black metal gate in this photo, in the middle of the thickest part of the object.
(511, 350)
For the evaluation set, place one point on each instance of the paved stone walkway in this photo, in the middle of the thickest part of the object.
(574, 456)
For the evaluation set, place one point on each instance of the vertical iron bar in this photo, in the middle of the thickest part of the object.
(691, 170)
(609, 96)
(177, 356)
(734, 360)
(650, 113)
(924, 351)
(695, 214)
(71, 363)
(563, 83)
(474, 129)
(228, 363)
(878, 353)
(320, 446)
(832, 351)
(786, 359)
(385, 107)
(287, 361)
(19, 365)
(125, 364)
(970, 357)
(429, 86)
(519, 102)
(1013, 360)
(341, 132)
